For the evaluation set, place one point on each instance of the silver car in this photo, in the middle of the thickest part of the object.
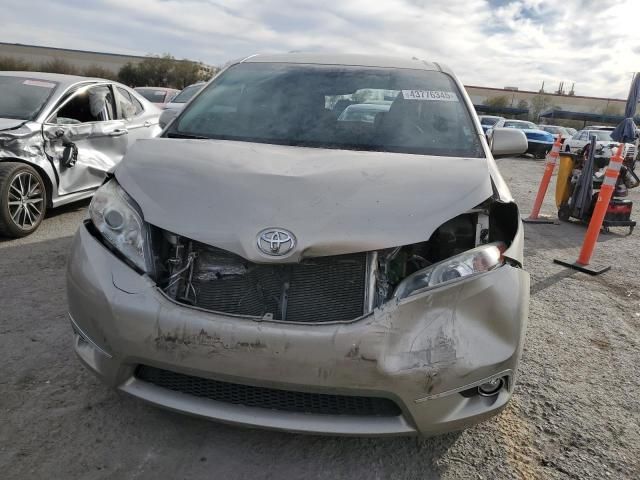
(182, 97)
(265, 264)
(59, 136)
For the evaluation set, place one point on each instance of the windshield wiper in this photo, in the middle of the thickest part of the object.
(185, 135)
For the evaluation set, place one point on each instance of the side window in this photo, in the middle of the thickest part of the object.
(92, 105)
(129, 105)
(583, 136)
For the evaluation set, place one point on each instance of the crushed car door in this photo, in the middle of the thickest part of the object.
(140, 123)
(84, 139)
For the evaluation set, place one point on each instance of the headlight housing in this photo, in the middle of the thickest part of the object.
(117, 217)
(472, 262)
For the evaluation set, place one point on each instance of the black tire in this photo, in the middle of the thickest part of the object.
(567, 149)
(24, 218)
(564, 213)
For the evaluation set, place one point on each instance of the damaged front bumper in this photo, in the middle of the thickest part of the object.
(426, 354)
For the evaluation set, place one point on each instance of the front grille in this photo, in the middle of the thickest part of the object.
(630, 153)
(322, 289)
(268, 398)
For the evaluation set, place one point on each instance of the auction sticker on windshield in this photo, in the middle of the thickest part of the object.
(39, 83)
(436, 95)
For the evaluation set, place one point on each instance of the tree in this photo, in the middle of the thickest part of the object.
(98, 72)
(13, 64)
(164, 71)
(500, 101)
(57, 65)
(128, 75)
(523, 104)
(540, 103)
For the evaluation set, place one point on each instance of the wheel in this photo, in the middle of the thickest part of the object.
(540, 154)
(567, 149)
(22, 199)
(564, 213)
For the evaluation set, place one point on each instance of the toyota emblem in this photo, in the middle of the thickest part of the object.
(276, 242)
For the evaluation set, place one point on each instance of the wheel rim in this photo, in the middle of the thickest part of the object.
(26, 200)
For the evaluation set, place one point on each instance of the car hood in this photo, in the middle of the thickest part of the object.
(174, 106)
(223, 193)
(534, 133)
(9, 123)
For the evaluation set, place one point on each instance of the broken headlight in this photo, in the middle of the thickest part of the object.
(117, 217)
(472, 262)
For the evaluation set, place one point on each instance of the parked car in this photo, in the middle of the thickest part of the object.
(540, 142)
(571, 131)
(265, 264)
(363, 112)
(159, 96)
(556, 131)
(488, 121)
(179, 101)
(59, 136)
(605, 144)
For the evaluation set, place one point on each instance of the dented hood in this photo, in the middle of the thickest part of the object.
(223, 193)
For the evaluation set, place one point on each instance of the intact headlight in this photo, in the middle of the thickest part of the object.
(472, 262)
(117, 217)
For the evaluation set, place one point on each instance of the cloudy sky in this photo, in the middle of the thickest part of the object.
(594, 43)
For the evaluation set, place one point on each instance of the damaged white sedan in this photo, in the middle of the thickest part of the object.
(267, 262)
(59, 137)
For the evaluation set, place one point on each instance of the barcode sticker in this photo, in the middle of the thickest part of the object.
(432, 95)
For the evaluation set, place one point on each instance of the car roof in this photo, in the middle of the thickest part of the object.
(345, 59)
(164, 89)
(63, 79)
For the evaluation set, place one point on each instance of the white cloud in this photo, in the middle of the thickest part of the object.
(487, 42)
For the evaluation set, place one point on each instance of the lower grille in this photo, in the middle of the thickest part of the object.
(322, 289)
(268, 398)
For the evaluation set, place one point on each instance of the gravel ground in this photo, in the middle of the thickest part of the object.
(575, 413)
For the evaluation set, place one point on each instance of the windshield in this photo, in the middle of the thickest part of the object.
(363, 112)
(185, 95)
(521, 125)
(489, 121)
(152, 94)
(601, 135)
(552, 129)
(22, 98)
(326, 106)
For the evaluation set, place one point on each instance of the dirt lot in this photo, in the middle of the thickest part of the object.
(575, 414)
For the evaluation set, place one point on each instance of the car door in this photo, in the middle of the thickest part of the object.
(84, 139)
(141, 121)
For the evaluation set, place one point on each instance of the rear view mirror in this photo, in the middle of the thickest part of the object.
(166, 117)
(507, 141)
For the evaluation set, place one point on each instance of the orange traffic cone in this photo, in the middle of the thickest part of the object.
(599, 212)
(550, 165)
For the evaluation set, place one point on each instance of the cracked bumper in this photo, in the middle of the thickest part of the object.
(421, 353)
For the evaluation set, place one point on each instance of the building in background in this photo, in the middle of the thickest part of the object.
(78, 58)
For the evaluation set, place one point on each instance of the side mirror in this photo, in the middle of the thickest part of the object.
(167, 116)
(507, 141)
(69, 155)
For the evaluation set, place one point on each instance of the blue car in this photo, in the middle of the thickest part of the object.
(540, 142)
(488, 121)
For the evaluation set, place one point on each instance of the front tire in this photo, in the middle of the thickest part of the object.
(23, 199)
